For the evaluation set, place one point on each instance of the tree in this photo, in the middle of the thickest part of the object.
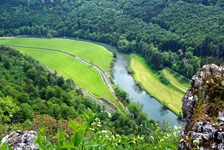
(25, 112)
(23, 98)
(156, 60)
(189, 70)
(8, 109)
(123, 45)
(166, 58)
(135, 109)
(31, 73)
(188, 55)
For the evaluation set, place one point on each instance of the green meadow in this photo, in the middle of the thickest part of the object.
(90, 52)
(83, 75)
(169, 95)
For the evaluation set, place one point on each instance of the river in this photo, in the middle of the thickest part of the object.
(125, 81)
(150, 105)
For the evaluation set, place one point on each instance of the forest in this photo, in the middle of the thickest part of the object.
(179, 34)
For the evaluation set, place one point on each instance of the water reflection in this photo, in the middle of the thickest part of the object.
(150, 105)
(163, 111)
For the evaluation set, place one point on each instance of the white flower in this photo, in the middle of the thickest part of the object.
(175, 127)
(99, 125)
(104, 131)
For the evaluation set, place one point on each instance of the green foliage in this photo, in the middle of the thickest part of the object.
(27, 88)
(135, 109)
(8, 109)
(121, 95)
(25, 113)
(77, 137)
(163, 78)
(129, 25)
(5, 146)
(89, 135)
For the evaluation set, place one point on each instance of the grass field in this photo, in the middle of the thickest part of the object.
(90, 52)
(83, 75)
(171, 94)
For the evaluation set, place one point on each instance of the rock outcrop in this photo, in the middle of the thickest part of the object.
(21, 140)
(203, 111)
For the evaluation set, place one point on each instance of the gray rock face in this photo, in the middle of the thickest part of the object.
(21, 140)
(203, 111)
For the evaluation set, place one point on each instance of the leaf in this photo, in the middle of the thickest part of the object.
(73, 124)
(79, 136)
(61, 138)
(5, 146)
(90, 116)
(86, 116)
(71, 147)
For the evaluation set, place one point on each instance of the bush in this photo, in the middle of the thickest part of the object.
(163, 79)
(130, 70)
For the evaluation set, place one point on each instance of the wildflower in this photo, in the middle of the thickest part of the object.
(175, 127)
(104, 131)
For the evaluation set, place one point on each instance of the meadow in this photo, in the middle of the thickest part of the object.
(85, 76)
(169, 95)
(90, 52)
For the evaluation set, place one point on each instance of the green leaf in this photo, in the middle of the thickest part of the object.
(86, 116)
(5, 146)
(71, 147)
(79, 136)
(73, 124)
(61, 138)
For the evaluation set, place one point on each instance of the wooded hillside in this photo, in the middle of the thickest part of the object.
(181, 35)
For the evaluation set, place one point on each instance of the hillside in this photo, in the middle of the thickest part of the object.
(31, 98)
(186, 33)
(181, 35)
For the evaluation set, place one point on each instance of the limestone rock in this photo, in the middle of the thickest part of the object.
(203, 111)
(21, 140)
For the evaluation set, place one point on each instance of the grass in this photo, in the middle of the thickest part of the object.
(90, 52)
(169, 95)
(83, 75)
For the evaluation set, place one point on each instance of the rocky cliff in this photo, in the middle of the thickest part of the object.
(203, 111)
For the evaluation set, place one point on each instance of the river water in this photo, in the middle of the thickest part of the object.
(150, 105)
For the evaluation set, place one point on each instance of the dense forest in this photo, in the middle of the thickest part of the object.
(32, 98)
(179, 34)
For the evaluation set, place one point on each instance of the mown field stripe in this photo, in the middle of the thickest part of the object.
(150, 82)
(90, 52)
(85, 79)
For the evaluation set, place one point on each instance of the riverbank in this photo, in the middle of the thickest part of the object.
(169, 95)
